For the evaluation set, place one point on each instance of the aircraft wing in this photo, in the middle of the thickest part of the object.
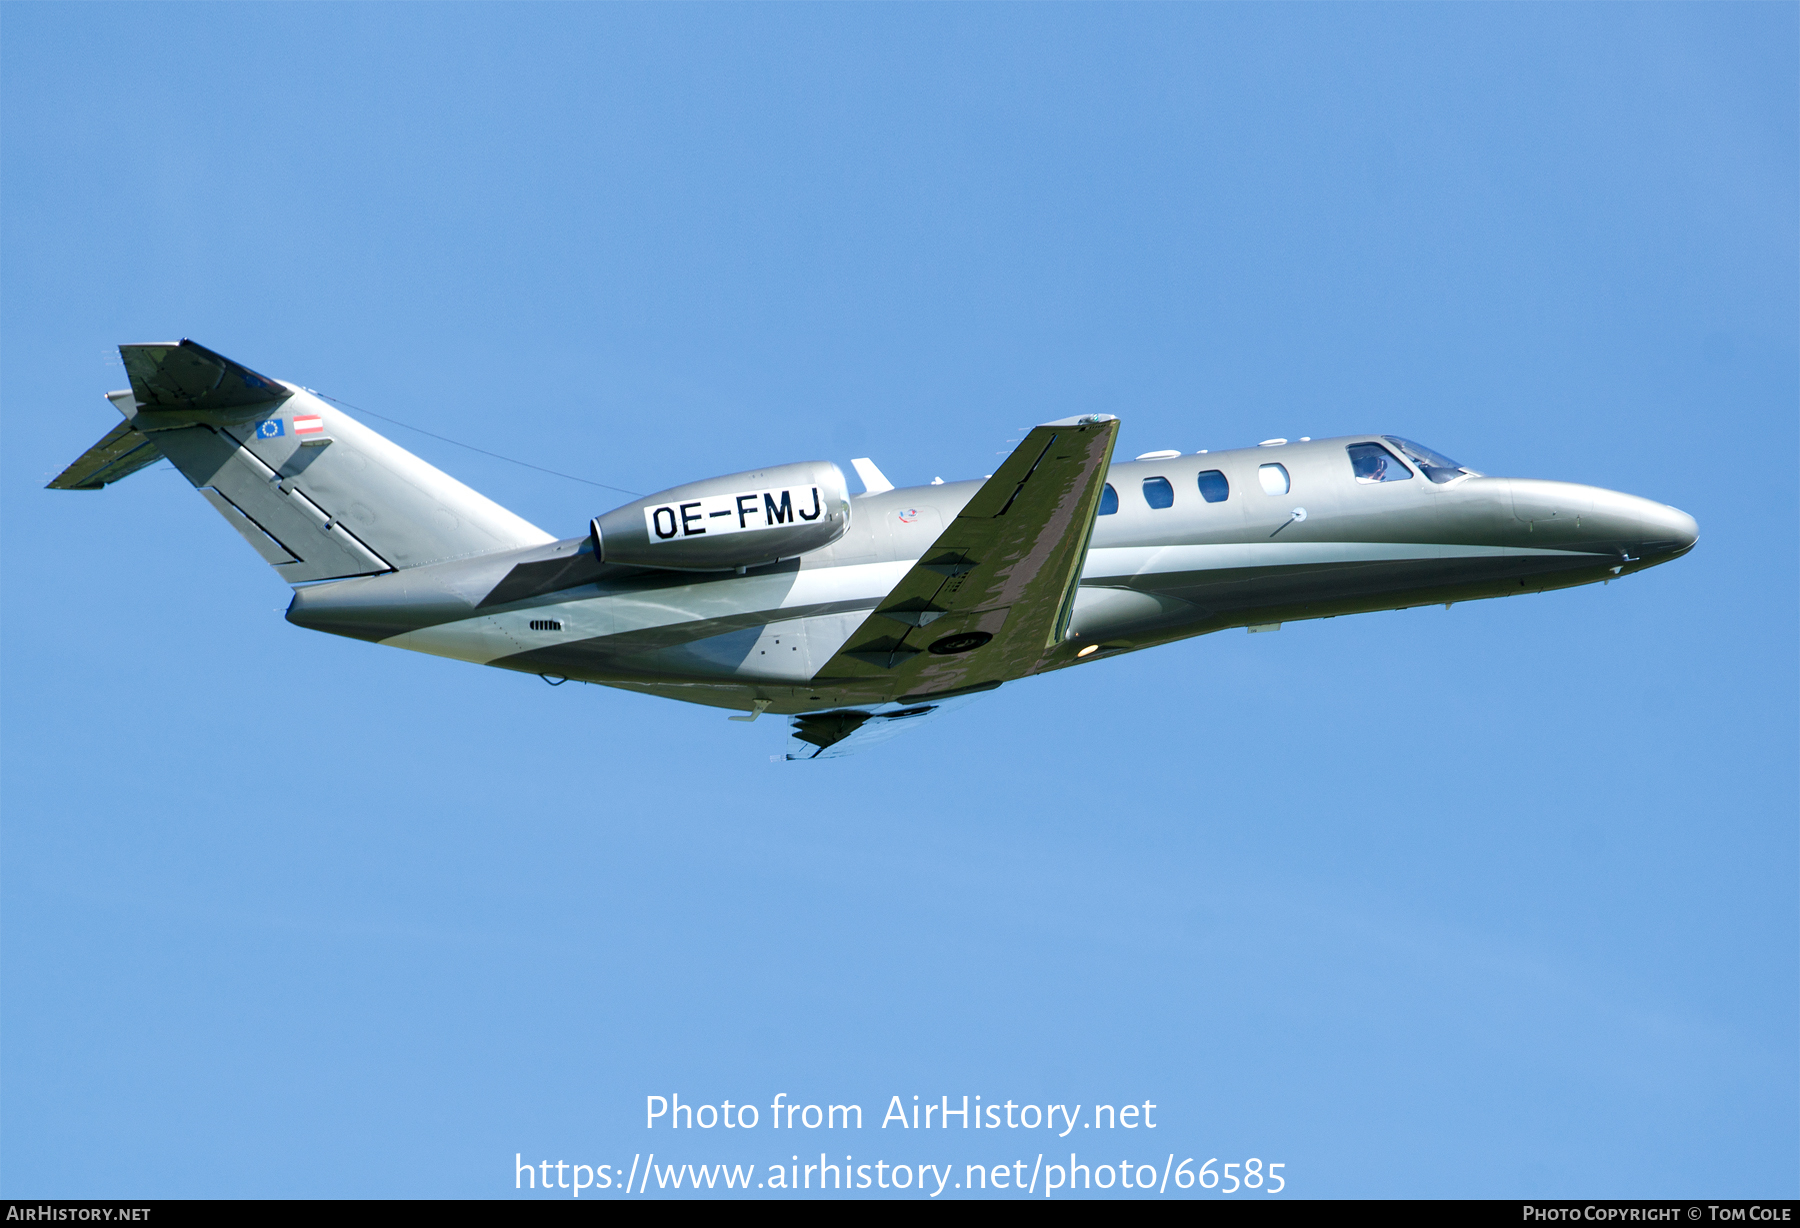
(990, 600)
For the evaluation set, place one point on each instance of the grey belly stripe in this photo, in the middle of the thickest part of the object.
(671, 635)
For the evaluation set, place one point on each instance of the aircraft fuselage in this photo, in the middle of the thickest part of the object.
(1184, 545)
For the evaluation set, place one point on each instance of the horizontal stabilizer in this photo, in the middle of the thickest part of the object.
(122, 453)
(183, 375)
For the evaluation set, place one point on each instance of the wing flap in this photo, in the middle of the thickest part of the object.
(990, 600)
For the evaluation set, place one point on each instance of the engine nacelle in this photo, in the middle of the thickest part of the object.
(739, 520)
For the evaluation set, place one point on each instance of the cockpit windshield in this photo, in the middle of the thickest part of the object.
(1434, 465)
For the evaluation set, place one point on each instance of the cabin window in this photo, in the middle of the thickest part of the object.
(1158, 492)
(1372, 463)
(1274, 479)
(545, 624)
(1213, 486)
(1109, 500)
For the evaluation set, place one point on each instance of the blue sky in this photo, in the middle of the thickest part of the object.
(292, 915)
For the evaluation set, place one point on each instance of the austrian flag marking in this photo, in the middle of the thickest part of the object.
(308, 424)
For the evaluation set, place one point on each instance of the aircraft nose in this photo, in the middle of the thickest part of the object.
(1682, 529)
(1658, 530)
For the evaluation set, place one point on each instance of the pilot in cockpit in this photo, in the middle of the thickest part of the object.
(1370, 463)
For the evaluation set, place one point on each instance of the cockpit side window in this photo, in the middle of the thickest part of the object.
(1213, 486)
(1109, 500)
(1434, 465)
(1372, 463)
(1158, 492)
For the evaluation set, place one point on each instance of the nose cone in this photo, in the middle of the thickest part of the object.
(1654, 531)
(1677, 531)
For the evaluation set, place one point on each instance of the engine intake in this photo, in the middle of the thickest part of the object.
(724, 523)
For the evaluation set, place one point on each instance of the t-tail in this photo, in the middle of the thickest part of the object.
(316, 493)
